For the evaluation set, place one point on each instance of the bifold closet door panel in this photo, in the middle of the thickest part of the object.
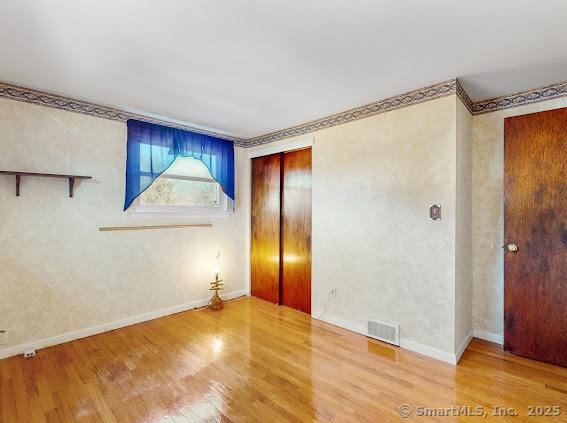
(265, 243)
(295, 280)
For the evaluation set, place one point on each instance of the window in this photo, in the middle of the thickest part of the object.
(185, 189)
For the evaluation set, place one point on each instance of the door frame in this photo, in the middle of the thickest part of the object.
(267, 150)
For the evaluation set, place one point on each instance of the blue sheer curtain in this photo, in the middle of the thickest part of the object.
(152, 148)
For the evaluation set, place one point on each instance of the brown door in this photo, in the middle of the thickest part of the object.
(265, 242)
(295, 279)
(535, 236)
(281, 229)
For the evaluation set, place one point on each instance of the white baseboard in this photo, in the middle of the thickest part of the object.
(94, 330)
(404, 343)
(463, 346)
(489, 336)
(336, 321)
(445, 356)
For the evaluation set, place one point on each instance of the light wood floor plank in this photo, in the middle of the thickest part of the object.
(258, 362)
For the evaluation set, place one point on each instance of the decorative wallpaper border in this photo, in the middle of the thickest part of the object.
(410, 98)
(431, 92)
(462, 94)
(28, 95)
(420, 95)
(535, 95)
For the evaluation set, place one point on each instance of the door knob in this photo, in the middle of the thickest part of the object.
(512, 248)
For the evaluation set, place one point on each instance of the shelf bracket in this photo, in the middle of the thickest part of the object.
(71, 187)
(18, 185)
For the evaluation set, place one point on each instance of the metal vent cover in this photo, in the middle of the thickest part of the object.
(384, 331)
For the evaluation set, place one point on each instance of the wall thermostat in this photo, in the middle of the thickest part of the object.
(435, 212)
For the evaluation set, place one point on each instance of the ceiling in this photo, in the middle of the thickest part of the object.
(246, 68)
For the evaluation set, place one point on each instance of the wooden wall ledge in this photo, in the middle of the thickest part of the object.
(143, 228)
(19, 175)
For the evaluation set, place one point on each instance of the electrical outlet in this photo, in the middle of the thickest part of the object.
(333, 292)
(29, 353)
(3, 337)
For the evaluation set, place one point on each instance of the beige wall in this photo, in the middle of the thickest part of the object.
(463, 232)
(488, 217)
(373, 182)
(58, 273)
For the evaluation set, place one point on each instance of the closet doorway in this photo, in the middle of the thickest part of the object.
(281, 229)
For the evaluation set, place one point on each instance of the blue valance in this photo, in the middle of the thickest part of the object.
(153, 148)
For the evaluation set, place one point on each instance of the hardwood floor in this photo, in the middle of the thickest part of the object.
(255, 361)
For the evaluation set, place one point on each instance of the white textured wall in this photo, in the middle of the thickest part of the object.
(58, 273)
(463, 232)
(488, 216)
(373, 182)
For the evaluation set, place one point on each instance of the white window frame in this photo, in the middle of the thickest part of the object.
(184, 212)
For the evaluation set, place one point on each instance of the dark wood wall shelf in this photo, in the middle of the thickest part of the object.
(19, 175)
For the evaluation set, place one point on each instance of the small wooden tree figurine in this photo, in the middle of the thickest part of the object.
(216, 286)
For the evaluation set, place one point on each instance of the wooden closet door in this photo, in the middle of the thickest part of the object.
(295, 279)
(265, 248)
(535, 236)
